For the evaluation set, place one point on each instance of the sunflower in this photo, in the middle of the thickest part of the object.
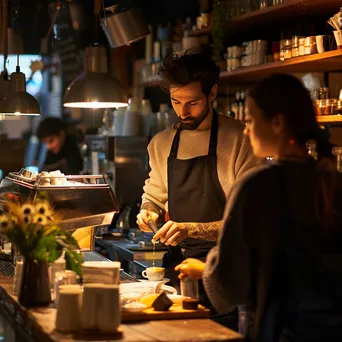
(28, 209)
(42, 208)
(5, 223)
(40, 219)
(27, 219)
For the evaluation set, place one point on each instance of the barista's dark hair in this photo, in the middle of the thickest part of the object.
(51, 126)
(286, 95)
(189, 67)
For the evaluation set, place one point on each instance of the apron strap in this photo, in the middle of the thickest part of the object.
(212, 142)
(213, 135)
(175, 144)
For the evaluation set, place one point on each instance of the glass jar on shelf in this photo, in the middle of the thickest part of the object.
(301, 46)
(295, 46)
(330, 106)
(282, 50)
(287, 49)
(320, 106)
(310, 45)
(338, 108)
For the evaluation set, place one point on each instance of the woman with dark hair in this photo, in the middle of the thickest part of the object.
(279, 253)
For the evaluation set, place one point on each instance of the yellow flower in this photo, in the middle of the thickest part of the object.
(14, 220)
(40, 219)
(27, 219)
(28, 209)
(42, 208)
(5, 223)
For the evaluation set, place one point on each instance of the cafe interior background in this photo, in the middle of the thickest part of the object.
(57, 41)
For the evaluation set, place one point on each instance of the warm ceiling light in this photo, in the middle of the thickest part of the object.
(18, 101)
(95, 88)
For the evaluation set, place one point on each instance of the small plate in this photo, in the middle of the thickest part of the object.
(134, 307)
(164, 280)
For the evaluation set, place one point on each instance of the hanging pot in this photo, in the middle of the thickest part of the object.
(35, 284)
(124, 26)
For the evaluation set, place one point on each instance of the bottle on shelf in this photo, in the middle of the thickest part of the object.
(242, 106)
(146, 112)
(132, 119)
(235, 105)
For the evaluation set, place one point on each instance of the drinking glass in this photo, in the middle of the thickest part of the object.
(189, 287)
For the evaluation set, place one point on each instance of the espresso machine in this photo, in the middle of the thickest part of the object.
(82, 202)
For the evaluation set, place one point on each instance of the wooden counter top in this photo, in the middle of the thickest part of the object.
(39, 325)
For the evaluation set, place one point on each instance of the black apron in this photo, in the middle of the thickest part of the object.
(194, 195)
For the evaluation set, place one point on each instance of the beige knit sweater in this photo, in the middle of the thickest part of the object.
(234, 157)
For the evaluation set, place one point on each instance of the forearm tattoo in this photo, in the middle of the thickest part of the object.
(151, 207)
(204, 231)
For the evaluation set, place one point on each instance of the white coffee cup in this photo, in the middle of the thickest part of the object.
(154, 273)
(91, 293)
(338, 38)
(108, 316)
(69, 308)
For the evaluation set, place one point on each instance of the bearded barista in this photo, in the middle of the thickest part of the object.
(63, 152)
(193, 164)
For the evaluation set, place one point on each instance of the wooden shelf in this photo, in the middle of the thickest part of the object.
(319, 62)
(329, 119)
(322, 62)
(286, 10)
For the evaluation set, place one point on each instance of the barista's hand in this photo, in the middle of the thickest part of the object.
(143, 217)
(172, 233)
(191, 268)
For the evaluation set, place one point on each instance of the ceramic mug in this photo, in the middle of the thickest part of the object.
(154, 273)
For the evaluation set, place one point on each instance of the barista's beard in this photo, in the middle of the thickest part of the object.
(192, 123)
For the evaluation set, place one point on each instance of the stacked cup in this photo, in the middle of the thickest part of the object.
(101, 299)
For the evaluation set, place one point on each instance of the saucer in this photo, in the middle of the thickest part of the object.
(164, 280)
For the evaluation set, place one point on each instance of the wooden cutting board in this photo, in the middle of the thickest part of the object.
(175, 312)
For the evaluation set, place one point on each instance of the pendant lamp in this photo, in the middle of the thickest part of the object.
(95, 88)
(18, 101)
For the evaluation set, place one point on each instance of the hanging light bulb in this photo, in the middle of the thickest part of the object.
(17, 101)
(95, 88)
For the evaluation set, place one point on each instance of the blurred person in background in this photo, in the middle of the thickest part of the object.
(63, 152)
(279, 254)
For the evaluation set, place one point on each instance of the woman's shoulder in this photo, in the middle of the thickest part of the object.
(252, 182)
(257, 174)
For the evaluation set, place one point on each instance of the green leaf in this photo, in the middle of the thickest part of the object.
(73, 261)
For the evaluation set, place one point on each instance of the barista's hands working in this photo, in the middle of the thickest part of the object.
(191, 268)
(143, 217)
(172, 233)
